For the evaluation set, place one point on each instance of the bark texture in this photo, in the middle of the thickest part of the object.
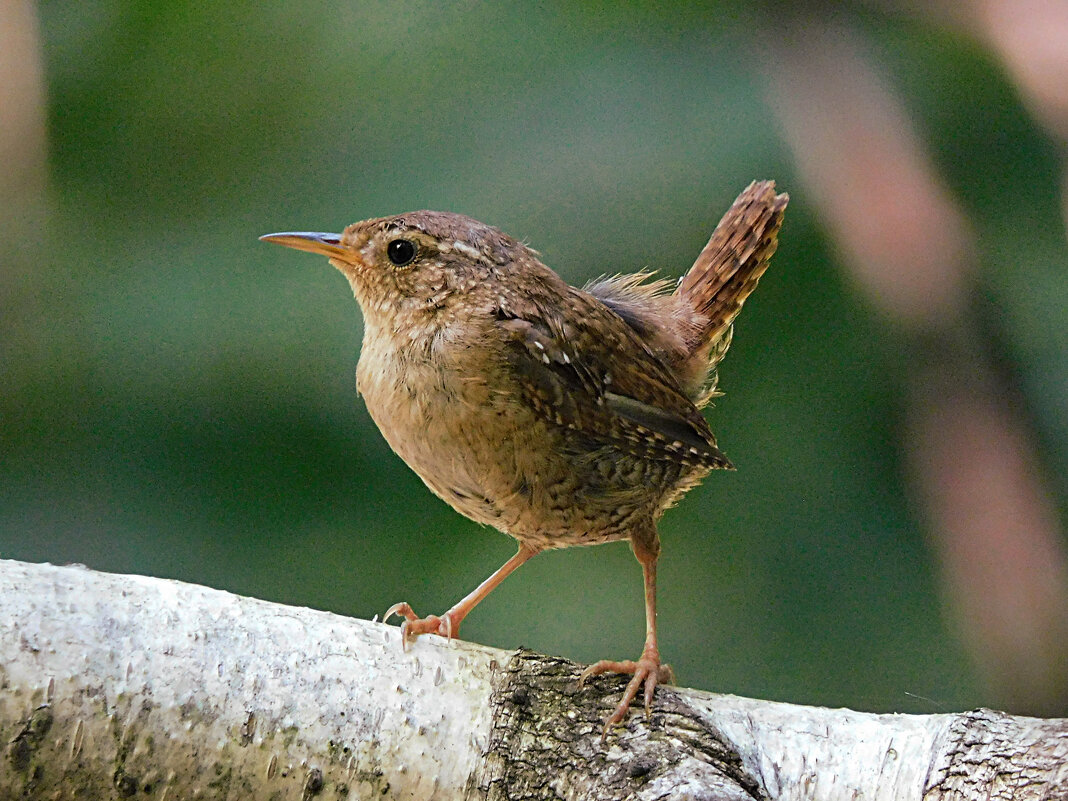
(131, 687)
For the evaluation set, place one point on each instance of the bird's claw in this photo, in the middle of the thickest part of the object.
(414, 625)
(647, 672)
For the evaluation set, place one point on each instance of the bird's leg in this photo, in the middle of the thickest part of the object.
(647, 671)
(448, 624)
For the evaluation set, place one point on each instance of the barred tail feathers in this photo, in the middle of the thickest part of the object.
(729, 266)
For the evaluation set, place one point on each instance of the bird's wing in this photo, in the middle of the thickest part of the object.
(591, 373)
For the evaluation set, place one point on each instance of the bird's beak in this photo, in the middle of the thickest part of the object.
(328, 245)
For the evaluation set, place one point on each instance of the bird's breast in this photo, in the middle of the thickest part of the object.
(451, 410)
(432, 408)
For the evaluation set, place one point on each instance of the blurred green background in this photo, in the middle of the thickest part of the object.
(178, 398)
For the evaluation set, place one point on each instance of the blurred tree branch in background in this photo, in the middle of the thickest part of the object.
(22, 99)
(968, 449)
(23, 178)
(1029, 39)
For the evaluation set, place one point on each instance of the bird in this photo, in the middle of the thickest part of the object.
(561, 416)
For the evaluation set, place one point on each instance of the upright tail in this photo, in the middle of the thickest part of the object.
(690, 329)
(726, 272)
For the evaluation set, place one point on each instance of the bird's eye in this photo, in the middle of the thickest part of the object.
(401, 252)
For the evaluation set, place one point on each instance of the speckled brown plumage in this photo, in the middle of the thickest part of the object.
(560, 416)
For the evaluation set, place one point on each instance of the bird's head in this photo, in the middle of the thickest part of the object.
(415, 265)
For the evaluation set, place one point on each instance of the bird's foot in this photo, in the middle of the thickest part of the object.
(647, 672)
(414, 625)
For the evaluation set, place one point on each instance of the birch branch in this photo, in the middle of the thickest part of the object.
(124, 686)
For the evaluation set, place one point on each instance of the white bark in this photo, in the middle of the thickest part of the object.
(124, 686)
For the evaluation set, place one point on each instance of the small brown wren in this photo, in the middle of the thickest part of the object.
(560, 416)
